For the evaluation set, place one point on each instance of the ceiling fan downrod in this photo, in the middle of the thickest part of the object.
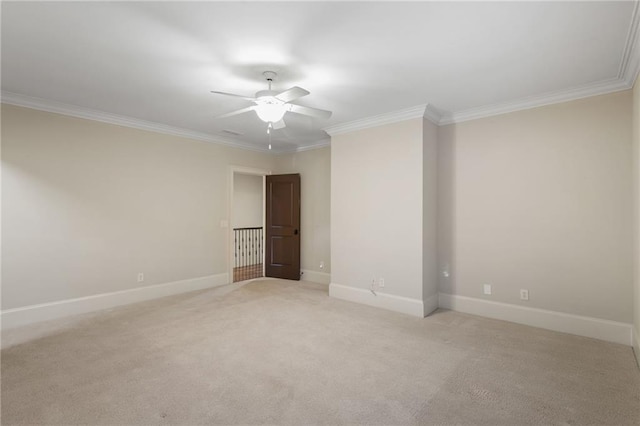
(270, 76)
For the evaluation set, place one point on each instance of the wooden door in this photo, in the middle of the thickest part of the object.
(282, 254)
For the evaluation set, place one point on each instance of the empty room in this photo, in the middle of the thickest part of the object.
(308, 213)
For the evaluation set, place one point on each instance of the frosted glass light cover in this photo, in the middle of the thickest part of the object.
(271, 112)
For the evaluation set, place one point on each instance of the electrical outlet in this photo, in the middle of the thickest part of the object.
(445, 271)
(381, 283)
(322, 264)
(487, 289)
(140, 277)
(524, 294)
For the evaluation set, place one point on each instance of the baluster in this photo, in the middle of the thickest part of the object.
(248, 253)
(261, 260)
(241, 253)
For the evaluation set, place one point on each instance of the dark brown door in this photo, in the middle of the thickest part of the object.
(282, 254)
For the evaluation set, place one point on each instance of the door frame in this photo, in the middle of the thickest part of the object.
(232, 170)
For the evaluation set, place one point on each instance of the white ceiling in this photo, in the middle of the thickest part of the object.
(154, 63)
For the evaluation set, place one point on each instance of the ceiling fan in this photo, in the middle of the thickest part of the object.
(271, 106)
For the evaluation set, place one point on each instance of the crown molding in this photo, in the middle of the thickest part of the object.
(441, 118)
(433, 114)
(588, 90)
(630, 62)
(377, 120)
(322, 143)
(40, 104)
(316, 145)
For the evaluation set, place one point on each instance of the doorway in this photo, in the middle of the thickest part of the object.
(264, 236)
(247, 224)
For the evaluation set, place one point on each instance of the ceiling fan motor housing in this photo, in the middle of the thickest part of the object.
(270, 75)
(268, 97)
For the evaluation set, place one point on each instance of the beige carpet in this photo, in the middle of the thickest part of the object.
(285, 353)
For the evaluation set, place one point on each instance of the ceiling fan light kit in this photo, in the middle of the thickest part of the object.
(270, 111)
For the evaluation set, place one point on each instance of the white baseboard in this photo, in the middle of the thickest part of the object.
(16, 317)
(611, 331)
(390, 302)
(316, 277)
(431, 304)
(636, 344)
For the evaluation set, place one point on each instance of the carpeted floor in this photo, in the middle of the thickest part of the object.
(283, 352)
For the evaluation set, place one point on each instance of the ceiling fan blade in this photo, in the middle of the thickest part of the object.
(232, 94)
(240, 111)
(290, 94)
(279, 125)
(313, 112)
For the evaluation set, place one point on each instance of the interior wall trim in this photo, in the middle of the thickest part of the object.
(320, 144)
(585, 91)
(596, 328)
(26, 315)
(427, 111)
(630, 62)
(315, 276)
(377, 120)
(40, 104)
(432, 114)
(405, 305)
(431, 303)
(636, 345)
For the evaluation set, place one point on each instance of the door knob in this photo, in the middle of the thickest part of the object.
(295, 232)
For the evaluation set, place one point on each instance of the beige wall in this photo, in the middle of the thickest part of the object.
(376, 208)
(536, 199)
(636, 215)
(539, 200)
(314, 167)
(247, 201)
(88, 205)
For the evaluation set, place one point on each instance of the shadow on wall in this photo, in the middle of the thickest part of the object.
(446, 209)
